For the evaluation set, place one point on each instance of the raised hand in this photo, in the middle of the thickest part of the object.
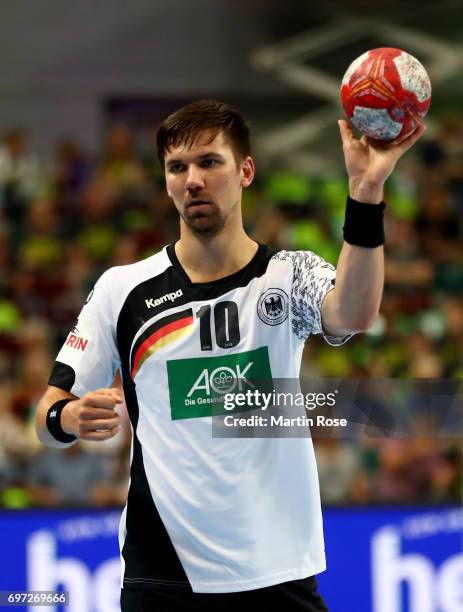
(370, 162)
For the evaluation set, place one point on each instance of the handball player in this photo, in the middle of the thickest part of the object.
(217, 524)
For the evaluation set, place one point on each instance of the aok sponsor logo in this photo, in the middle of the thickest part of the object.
(222, 379)
(168, 297)
(197, 386)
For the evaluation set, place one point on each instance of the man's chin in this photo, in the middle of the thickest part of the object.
(206, 230)
(205, 226)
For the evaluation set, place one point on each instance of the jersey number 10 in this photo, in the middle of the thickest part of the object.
(227, 328)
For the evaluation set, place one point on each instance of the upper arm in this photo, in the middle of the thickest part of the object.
(313, 301)
(89, 357)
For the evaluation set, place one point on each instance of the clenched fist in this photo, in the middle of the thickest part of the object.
(92, 417)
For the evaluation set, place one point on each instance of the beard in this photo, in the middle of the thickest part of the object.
(204, 223)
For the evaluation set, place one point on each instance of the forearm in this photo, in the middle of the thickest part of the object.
(354, 303)
(360, 270)
(91, 417)
(366, 191)
(359, 285)
(52, 395)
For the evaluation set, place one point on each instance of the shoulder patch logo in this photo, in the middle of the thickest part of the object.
(273, 306)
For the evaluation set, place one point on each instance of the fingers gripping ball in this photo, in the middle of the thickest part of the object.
(385, 92)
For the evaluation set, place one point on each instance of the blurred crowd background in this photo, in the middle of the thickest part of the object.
(65, 219)
(84, 86)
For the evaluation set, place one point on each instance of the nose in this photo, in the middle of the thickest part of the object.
(194, 179)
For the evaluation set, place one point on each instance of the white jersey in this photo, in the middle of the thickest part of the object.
(210, 514)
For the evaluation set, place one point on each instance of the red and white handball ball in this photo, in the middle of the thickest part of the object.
(385, 92)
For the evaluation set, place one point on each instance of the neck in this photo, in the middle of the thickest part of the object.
(209, 258)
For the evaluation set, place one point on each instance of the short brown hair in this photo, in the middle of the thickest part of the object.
(185, 125)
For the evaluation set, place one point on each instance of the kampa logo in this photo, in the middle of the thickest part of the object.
(222, 380)
(197, 386)
(153, 303)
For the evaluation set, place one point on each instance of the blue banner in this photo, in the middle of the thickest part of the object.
(379, 560)
(393, 560)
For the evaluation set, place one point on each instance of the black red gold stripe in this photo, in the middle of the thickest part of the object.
(161, 333)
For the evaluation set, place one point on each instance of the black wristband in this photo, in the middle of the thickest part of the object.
(364, 224)
(54, 422)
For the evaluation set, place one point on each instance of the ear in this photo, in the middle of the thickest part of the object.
(247, 172)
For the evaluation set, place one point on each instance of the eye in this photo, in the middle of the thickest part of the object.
(209, 163)
(176, 168)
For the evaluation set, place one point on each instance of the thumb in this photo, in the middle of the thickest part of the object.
(113, 392)
(346, 131)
